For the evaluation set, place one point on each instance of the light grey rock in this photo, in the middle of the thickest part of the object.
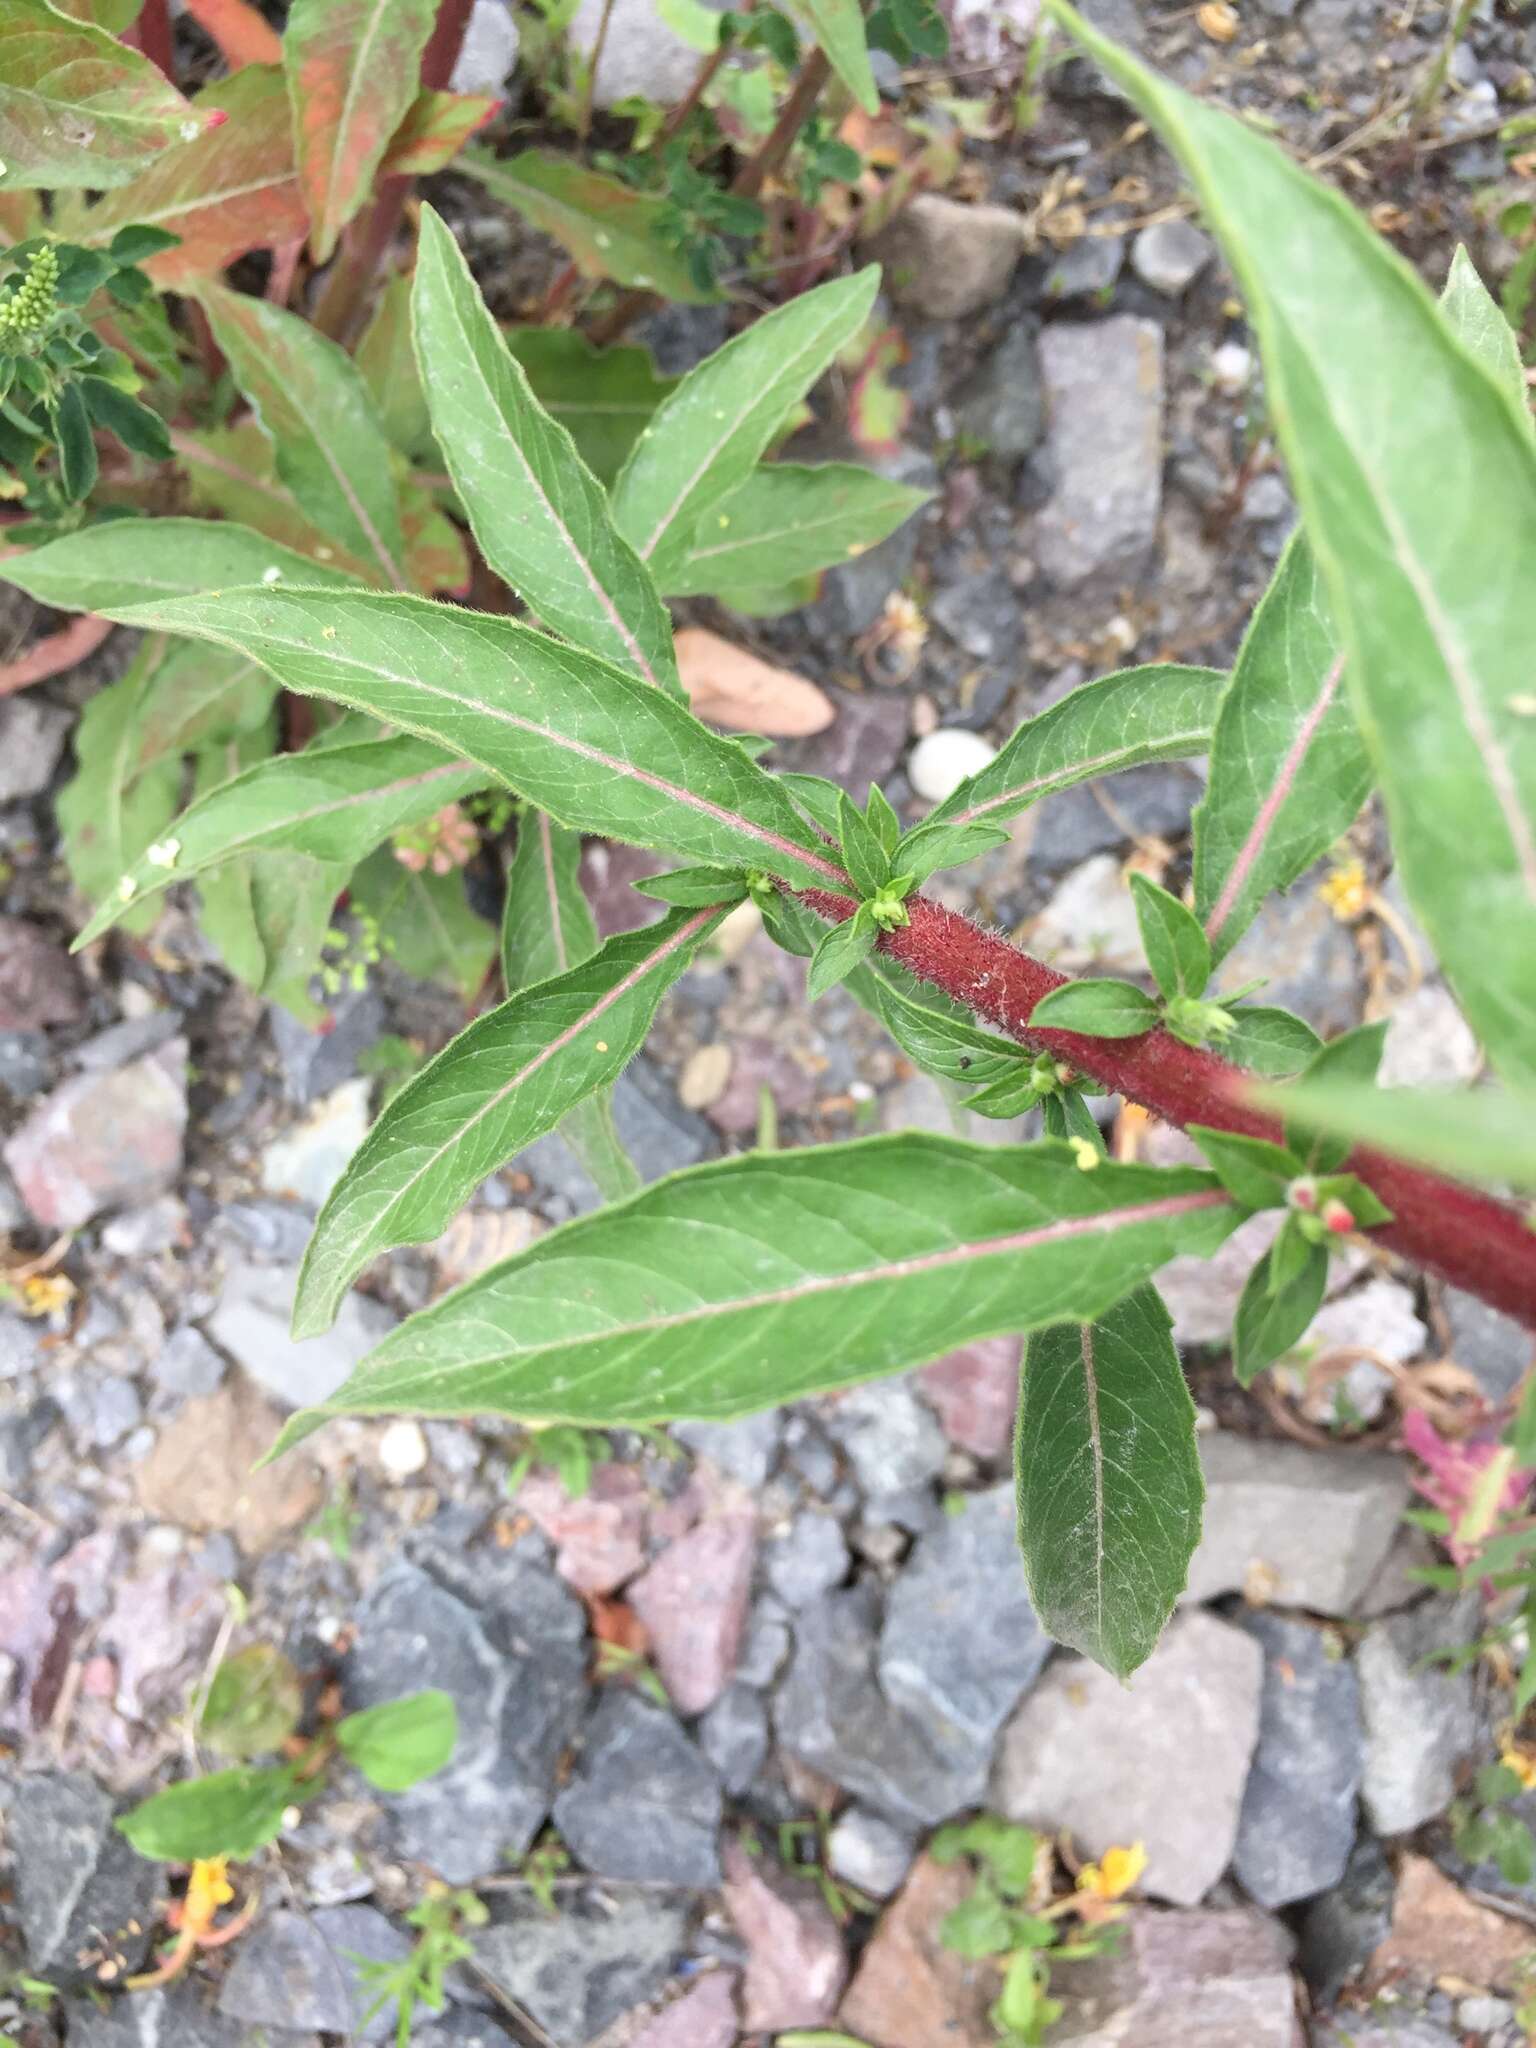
(83, 1896)
(945, 261)
(576, 1970)
(278, 1231)
(1001, 405)
(733, 1734)
(1170, 255)
(951, 1676)
(1308, 956)
(1091, 920)
(1429, 1043)
(1494, 1347)
(20, 1345)
(642, 1802)
(641, 57)
(517, 1672)
(1298, 1818)
(305, 1161)
(869, 1853)
(141, 1233)
(1162, 1761)
(765, 1645)
(103, 1140)
(32, 736)
(488, 55)
(296, 1972)
(1484, 2014)
(1104, 410)
(188, 1365)
(1421, 1722)
(251, 1324)
(746, 1449)
(1086, 269)
(1310, 1526)
(1383, 2030)
(462, 2030)
(890, 1438)
(807, 1560)
(831, 1713)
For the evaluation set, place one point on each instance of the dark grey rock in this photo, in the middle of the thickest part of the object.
(746, 1449)
(178, 2017)
(853, 594)
(1087, 269)
(130, 1040)
(981, 614)
(1297, 1824)
(733, 1734)
(1308, 956)
(518, 1680)
(251, 1324)
(24, 1067)
(32, 736)
(658, 1133)
(315, 1062)
(1421, 1721)
(862, 745)
(1341, 1930)
(807, 1560)
(810, 1457)
(1494, 1347)
(462, 2030)
(576, 1970)
(1104, 403)
(961, 1682)
(680, 337)
(642, 1802)
(869, 1853)
(22, 1436)
(891, 1439)
(188, 1366)
(1000, 405)
(272, 1230)
(84, 1898)
(100, 1408)
(765, 1645)
(831, 1713)
(297, 1972)
(1156, 800)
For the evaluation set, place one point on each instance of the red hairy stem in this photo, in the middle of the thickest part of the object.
(1470, 1239)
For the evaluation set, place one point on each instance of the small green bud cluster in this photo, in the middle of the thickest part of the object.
(25, 311)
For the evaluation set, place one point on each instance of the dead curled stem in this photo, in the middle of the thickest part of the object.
(1471, 1239)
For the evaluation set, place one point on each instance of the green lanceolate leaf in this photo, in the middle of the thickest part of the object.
(1159, 713)
(1175, 946)
(1268, 1041)
(1289, 770)
(130, 561)
(580, 739)
(602, 397)
(335, 804)
(196, 696)
(77, 107)
(397, 1744)
(789, 520)
(503, 1082)
(1109, 1482)
(935, 1034)
(540, 516)
(1484, 1134)
(1418, 491)
(254, 1703)
(839, 951)
(1270, 1318)
(547, 928)
(1096, 1009)
(764, 1278)
(70, 425)
(864, 853)
(426, 922)
(227, 894)
(108, 814)
(929, 847)
(330, 448)
(1350, 1060)
(606, 227)
(229, 1813)
(1254, 1172)
(838, 26)
(386, 360)
(1477, 320)
(705, 440)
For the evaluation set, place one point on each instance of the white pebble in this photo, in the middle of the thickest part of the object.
(403, 1450)
(1231, 368)
(942, 760)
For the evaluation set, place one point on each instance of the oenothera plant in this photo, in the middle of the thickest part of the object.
(1391, 652)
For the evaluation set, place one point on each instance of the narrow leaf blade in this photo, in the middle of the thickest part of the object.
(540, 516)
(1109, 1481)
(602, 397)
(838, 26)
(790, 519)
(1486, 1135)
(777, 1275)
(500, 1084)
(228, 1813)
(1477, 320)
(399, 1742)
(130, 561)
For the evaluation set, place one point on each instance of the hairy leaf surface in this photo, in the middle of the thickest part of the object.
(1416, 474)
(584, 741)
(761, 1279)
(705, 440)
(790, 519)
(77, 107)
(539, 514)
(130, 561)
(1109, 1482)
(1159, 713)
(1289, 770)
(504, 1081)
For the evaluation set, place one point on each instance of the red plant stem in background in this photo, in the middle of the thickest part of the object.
(54, 653)
(445, 43)
(1470, 1239)
(152, 34)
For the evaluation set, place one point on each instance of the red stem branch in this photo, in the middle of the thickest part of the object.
(1470, 1239)
(54, 653)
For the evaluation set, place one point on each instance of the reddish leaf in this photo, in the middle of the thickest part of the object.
(230, 191)
(877, 410)
(353, 71)
(436, 127)
(435, 555)
(242, 34)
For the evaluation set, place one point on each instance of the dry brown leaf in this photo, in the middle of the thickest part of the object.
(477, 1238)
(733, 688)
